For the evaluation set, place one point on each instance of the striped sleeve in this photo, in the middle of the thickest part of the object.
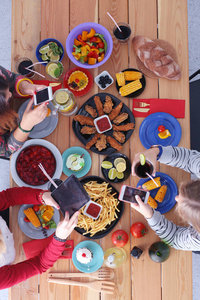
(178, 237)
(186, 159)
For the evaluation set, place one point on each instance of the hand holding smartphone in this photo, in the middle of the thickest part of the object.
(128, 193)
(43, 95)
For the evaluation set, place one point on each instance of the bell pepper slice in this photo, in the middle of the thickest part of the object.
(95, 50)
(98, 40)
(93, 39)
(100, 58)
(80, 38)
(91, 33)
(76, 56)
(77, 43)
(84, 35)
(88, 47)
(92, 60)
(83, 51)
(93, 54)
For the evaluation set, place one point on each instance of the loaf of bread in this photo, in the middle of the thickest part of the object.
(155, 58)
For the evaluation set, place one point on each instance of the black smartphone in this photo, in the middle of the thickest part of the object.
(43, 95)
(70, 195)
(128, 194)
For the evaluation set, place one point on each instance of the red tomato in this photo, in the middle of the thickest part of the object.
(119, 238)
(35, 208)
(101, 45)
(26, 220)
(161, 128)
(93, 39)
(46, 227)
(138, 230)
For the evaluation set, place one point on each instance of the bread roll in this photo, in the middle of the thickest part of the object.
(155, 58)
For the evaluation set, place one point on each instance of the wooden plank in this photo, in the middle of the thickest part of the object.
(143, 21)
(177, 271)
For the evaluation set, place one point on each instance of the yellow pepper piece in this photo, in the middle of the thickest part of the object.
(98, 40)
(92, 60)
(77, 43)
(88, 48)
(91, 33)
(95, 50)
(76, 56)
(165, 134)
(84, 35)
(83, 51)
(100, 58)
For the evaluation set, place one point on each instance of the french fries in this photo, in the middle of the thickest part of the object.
(100, 193)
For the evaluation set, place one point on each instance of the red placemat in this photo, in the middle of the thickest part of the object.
(174, 107)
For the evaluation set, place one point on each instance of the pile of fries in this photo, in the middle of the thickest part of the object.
(100, 193)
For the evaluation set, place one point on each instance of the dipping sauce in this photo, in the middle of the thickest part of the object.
(102, 124)
(93, 210)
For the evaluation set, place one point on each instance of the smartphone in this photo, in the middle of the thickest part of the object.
(128, 194)
(43, 96)
(70, 195)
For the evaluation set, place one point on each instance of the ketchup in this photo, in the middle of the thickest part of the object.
(93, 210)
(103, 124)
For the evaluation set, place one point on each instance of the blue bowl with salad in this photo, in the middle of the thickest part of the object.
(89, 45)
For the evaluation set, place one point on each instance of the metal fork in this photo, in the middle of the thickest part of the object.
(141, 104)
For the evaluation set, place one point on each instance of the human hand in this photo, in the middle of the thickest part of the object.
(150, 155)
(48, 200)
(143, 208)
(27, 88)
(65, 227)
(31, 117)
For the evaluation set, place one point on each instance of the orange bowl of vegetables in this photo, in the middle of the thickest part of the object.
(89, 45)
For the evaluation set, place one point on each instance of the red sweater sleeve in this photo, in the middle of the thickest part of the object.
(19, 196)
(14, 274)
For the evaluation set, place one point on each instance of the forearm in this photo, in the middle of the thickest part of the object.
(19, 135)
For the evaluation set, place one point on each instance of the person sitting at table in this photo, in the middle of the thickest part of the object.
(13, 274)
(12, 135)
(188, 200)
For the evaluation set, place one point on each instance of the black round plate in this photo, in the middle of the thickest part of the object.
(84, 138)
(111, 158)
(119, 213)
(138, 92)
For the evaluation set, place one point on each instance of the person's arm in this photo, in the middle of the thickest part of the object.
(11, 275)
(9, 145)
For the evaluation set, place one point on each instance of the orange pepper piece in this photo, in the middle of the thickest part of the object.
(92, 60)
(100, 58)
(91, 33)
(95, 50)
(77, 43)
(84, 35)
(98, 40)
(76, 56)
(83, 51)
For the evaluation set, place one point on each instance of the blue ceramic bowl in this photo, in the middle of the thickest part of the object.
(78, 30)
(45, 42)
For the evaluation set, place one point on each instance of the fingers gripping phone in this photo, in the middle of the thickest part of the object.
(128, 193)
(43, 95)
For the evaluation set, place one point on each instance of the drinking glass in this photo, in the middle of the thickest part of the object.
(21, 65)
(123, 36)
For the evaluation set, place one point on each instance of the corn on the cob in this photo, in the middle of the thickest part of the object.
(161, 193)
(120, 79)
(150, 185)
(31, 215)
(130, 87)
(152, 202)
(132, 75)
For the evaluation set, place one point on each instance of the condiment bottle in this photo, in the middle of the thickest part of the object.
(136, 252)
(159, 252)
(114, 257)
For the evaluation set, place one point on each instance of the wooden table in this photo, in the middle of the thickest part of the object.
(35, 20)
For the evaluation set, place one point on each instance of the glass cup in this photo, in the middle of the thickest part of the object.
(54, 69)
(64, 102)
(141, 170)
(51, 187)
(123, 36)
(22, 64)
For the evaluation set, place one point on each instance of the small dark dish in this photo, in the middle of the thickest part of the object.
(111, 158)
(119, 213)
(86, 138)
(138, 92)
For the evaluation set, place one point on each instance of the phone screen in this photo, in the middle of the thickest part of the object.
(42, 96)
(130, 193)
(70, 195)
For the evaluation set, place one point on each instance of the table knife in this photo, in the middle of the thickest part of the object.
(141, 109)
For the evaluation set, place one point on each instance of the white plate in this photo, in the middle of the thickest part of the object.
(44, 128)
(48, 145)
(104, 73)
(31, 231)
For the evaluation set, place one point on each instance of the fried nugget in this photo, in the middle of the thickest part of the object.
(125, 127)
(113, 143)
(101, 142)
(108, 105)
(92, 111)
(115, 112)
(119, 136)
(99, 105)
(84, 120)
(93, 141)
(120, 118)
(88, 130)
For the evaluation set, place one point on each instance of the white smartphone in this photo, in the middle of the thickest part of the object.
(128, 193)
(43, 95)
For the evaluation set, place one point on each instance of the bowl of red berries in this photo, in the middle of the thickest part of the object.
(24, 163)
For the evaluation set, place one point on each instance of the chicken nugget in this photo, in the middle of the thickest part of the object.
(120, 118)
(92, 111)
(93, 141)
(113, 143)
(101, 142)
(115, 112)
(88, 130)
(119, 136)
(125, 127)
(108, 105)
(99, 105)
(84, 120)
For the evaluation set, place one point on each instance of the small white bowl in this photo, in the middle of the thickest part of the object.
(86, 207)
(104, 73)
(99, 118)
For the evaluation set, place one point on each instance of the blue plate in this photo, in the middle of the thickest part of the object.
(172, 191)
(149, 130)
(97, 260)
(87, 159)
